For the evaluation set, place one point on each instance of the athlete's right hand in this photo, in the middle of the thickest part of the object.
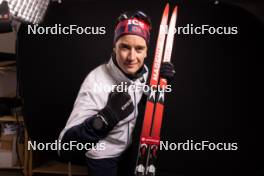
(119, 105)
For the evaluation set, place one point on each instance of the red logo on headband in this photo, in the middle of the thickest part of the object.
(132, 26)
(136, 22)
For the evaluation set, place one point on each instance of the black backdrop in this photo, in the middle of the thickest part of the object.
(215, 92)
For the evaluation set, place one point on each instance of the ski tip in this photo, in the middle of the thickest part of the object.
(166, 10)
(175, 10)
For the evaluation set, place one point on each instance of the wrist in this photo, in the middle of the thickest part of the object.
(99, 122)
(108, 116)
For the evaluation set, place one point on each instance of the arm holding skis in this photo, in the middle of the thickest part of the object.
(88, 124)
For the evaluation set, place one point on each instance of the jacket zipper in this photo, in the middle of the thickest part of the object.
(128, 129)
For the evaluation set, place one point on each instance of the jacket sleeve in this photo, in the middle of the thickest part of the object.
(82, 134)
(78, 127)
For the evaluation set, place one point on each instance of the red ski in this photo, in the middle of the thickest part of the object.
(150, 135)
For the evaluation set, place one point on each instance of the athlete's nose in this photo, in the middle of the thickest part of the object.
(132, 54)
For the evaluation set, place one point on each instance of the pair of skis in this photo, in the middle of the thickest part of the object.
(150, 134)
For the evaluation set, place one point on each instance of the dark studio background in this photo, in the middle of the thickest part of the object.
(215, 92)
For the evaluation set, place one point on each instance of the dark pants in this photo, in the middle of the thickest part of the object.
(126, 163)
(102, 167)
(120, 166)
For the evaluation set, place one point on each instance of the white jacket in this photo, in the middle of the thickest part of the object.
(91, 99)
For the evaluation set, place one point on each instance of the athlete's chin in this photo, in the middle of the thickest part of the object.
(131, 71)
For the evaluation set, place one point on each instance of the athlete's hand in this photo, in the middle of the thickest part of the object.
(167, 71)
(119, 105)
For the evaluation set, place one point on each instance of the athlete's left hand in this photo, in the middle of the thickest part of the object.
(167, 71)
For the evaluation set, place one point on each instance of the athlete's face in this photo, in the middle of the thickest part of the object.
(130, 51)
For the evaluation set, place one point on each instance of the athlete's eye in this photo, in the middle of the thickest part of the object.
(124, 46)
(140, 49)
